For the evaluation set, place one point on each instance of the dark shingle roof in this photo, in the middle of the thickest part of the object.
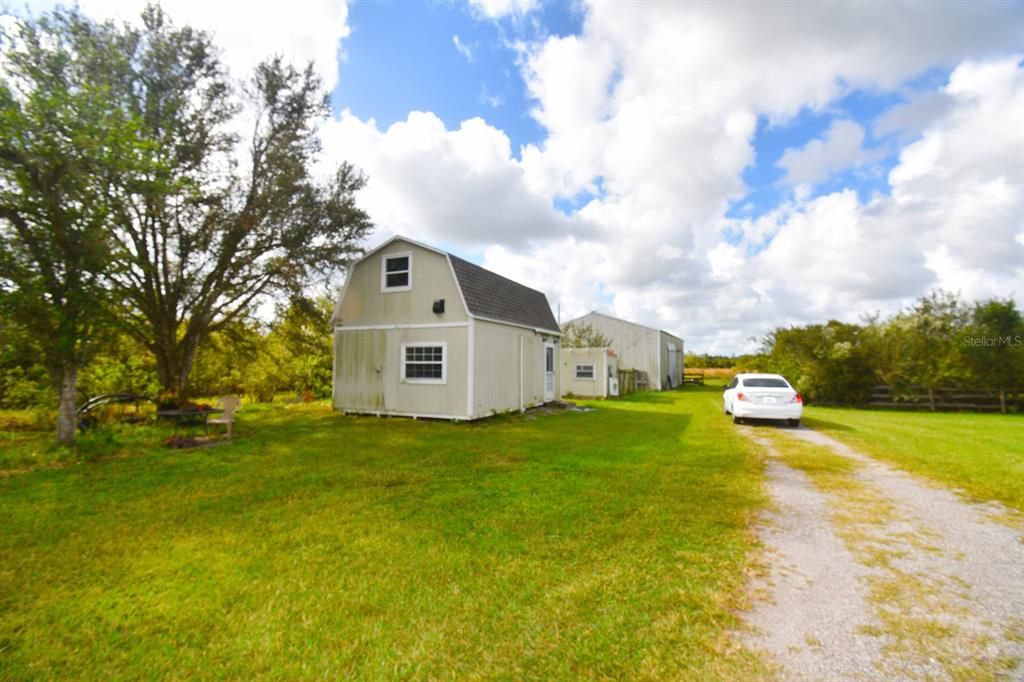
(490, 295)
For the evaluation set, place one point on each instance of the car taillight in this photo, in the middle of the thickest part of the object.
(740, 396)
(798, 399)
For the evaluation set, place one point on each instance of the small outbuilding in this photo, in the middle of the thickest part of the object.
(590, 372)
(649, 350)
(419, 332)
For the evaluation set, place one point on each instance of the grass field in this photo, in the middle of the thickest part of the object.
(980, 454)
(608, 544)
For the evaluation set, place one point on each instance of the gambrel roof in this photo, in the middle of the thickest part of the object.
(489, 295)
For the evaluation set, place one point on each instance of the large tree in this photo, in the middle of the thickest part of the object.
(920, 347)
(62, 139)
(583, 335)
(222, 219)
(992, 347)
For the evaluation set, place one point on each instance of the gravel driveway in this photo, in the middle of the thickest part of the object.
(873, 574)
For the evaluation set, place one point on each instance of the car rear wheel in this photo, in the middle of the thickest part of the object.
(736, 420)
(795, 423)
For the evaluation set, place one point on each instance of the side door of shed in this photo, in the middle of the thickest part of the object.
(360, 368)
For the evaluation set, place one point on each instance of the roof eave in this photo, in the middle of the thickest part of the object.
(539, 330)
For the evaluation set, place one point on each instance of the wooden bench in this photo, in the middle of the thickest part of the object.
(693, 376)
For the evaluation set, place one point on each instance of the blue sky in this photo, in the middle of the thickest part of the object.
(402, 57)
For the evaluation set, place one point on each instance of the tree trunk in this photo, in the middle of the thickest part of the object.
(174, 360)
(1002, 400)
(186, 357)
(931, 398)
(67, 413)
(166, 368)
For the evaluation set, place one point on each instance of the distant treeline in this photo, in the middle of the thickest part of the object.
(939, 342)
(705, 361)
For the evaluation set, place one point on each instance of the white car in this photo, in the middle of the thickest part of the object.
(762, 396)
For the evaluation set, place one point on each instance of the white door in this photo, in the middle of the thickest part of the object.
(549, 372)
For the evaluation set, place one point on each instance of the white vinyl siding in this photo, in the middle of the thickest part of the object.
(424, 363)
(585, 371)
(396, 272)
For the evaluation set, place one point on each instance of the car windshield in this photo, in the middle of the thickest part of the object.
(765, 383)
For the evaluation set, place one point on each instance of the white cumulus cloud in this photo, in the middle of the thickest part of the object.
(458, 186)
(247, 32)
(498, 9)
(839, 149)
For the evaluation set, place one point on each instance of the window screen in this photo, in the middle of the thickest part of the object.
(584, 371)
(424, 362)
(396, 272)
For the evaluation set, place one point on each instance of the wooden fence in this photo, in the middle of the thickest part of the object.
(631, 381)
(947, 399)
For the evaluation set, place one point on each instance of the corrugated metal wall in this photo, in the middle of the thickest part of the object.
(637, 347)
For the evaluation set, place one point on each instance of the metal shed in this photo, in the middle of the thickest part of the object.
(654, 351)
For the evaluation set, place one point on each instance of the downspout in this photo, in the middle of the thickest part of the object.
(521, 409)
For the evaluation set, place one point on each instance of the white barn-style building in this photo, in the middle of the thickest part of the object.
(419, 332)
(650, 350)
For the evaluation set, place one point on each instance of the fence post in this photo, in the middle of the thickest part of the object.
(1002, 400)
(931, 398)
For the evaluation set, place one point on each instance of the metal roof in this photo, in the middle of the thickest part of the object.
(619, 319)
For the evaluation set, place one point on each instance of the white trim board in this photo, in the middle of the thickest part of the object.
(420, 415)
(439, 325)
(458, 287)
(414, 415)
(396, 238)
(538, 330)
(377, 327)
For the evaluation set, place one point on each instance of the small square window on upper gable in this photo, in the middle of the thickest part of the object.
(396, 272)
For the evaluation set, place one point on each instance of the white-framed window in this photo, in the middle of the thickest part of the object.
(396, 272)
(585, 371)
(425, 363)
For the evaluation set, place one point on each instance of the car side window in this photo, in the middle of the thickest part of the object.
(733, 383)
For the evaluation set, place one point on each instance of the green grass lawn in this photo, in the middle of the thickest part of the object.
(980, 454)
(608, 544)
